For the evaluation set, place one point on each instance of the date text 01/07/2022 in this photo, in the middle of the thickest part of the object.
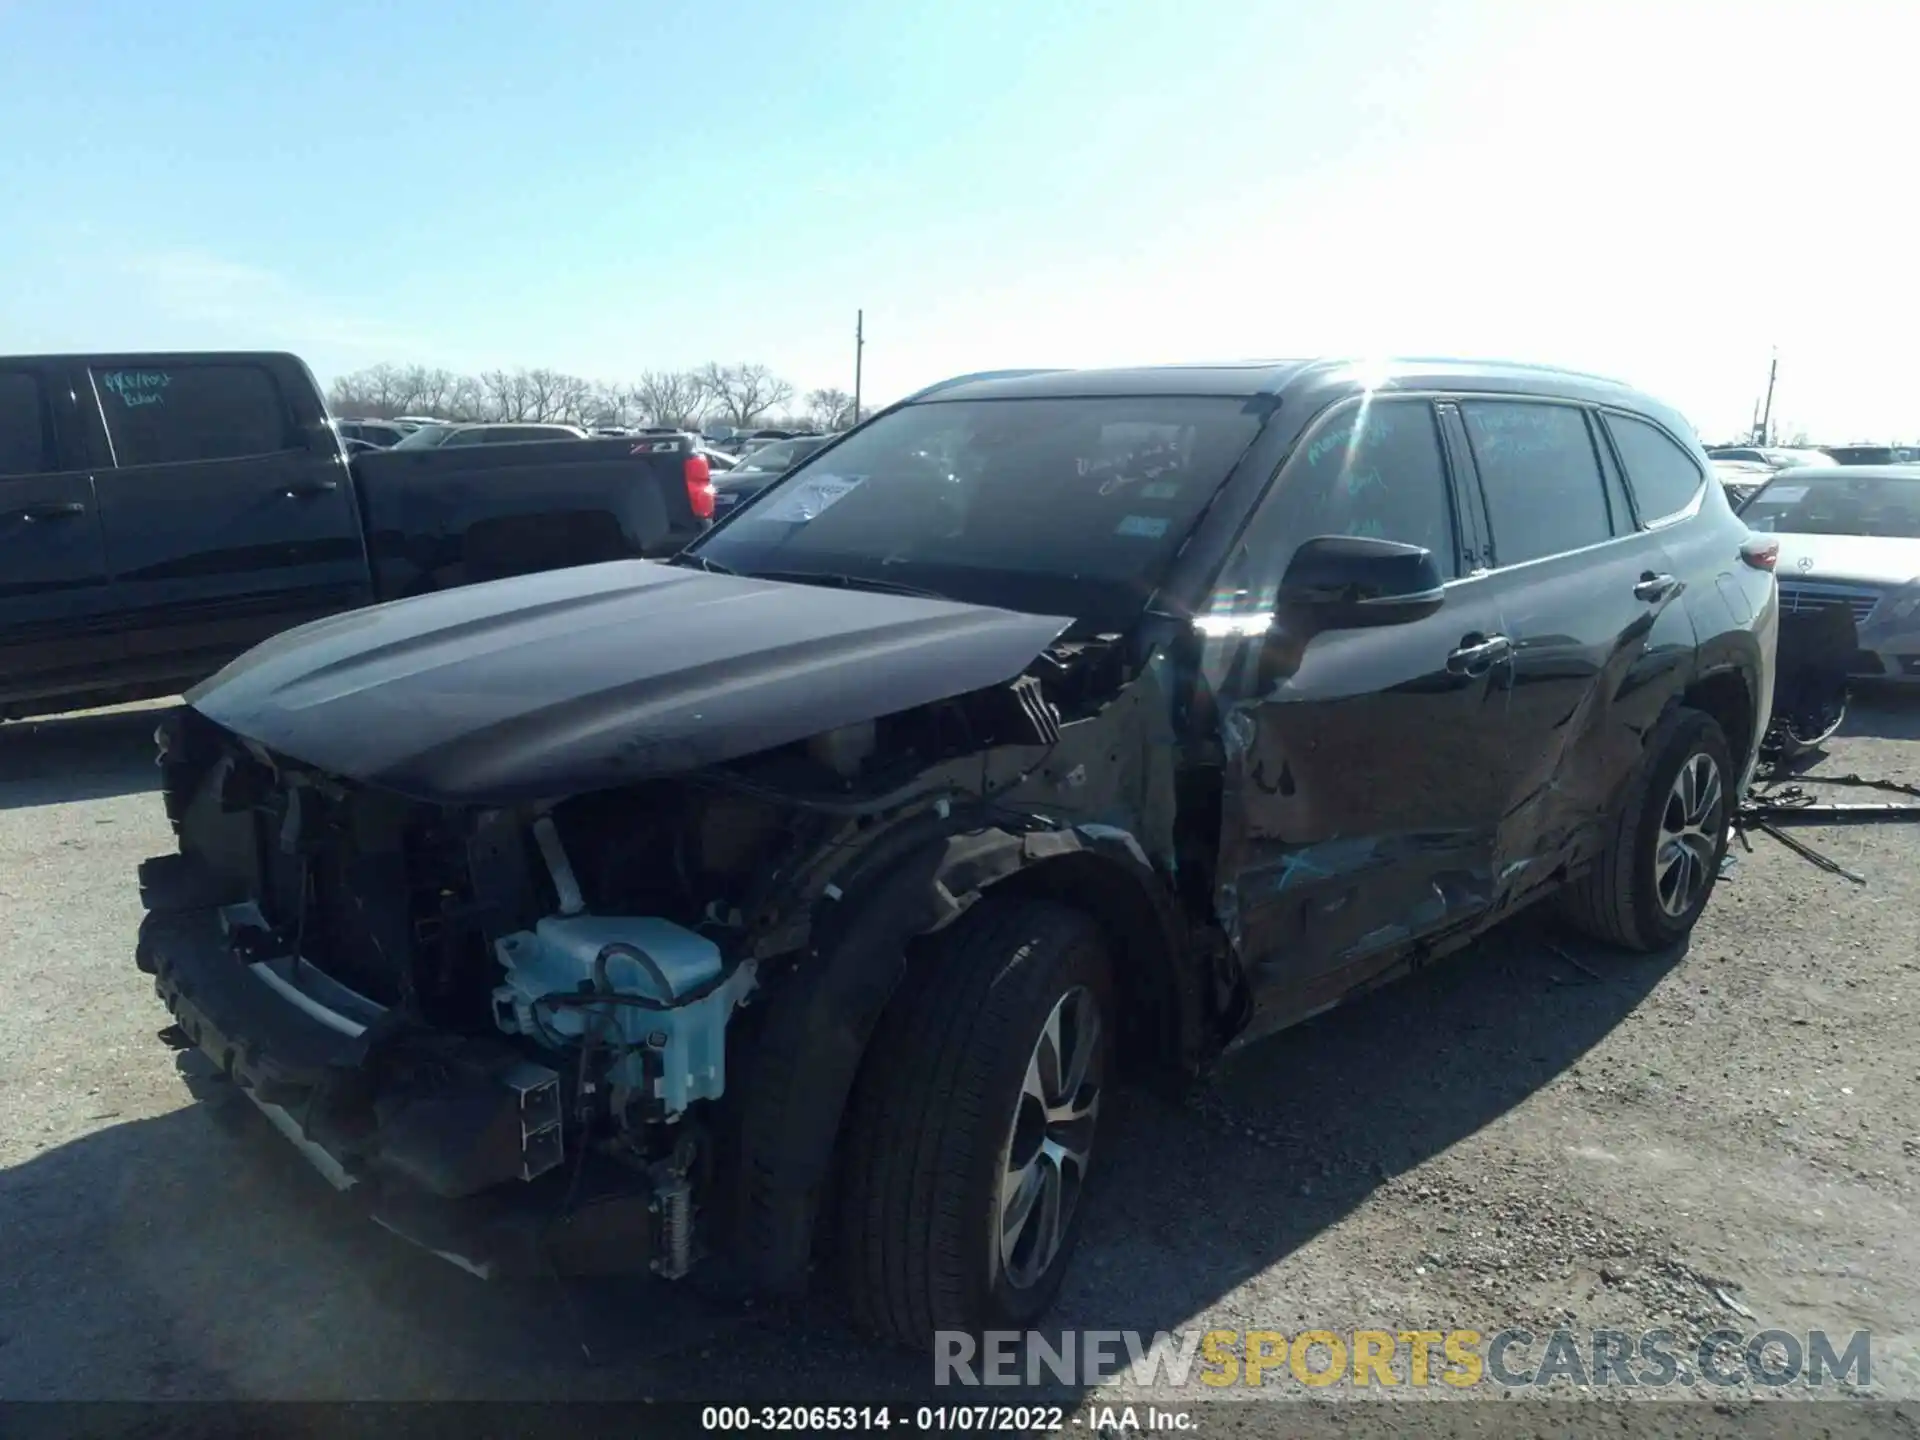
(940, 1419)
(937, 1419)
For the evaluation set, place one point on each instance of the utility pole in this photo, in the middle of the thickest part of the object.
(859, 344)
(1766, 418)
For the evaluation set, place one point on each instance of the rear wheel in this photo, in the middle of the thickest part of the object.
(971, 1131)
(1648, 887)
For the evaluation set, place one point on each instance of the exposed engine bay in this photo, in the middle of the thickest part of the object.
(499, 993)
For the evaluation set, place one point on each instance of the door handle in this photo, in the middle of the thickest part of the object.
(1655, 587)
(54, 510)
(307, 489)
(1479, 653)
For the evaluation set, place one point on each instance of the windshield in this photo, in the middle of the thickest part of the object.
(1797, 503)
(781, 455)
(1058, 506)
(427, 437)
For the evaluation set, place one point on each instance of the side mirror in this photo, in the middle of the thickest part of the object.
(1347, 581)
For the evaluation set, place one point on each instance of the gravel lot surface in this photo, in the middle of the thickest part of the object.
(1536, 1132)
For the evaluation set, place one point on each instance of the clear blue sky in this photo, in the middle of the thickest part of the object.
(1660, 191)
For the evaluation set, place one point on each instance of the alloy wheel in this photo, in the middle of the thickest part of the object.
(1691, 826)
(1051, 1138)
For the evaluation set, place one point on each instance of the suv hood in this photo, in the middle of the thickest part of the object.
(1862, 559)
(545, 685)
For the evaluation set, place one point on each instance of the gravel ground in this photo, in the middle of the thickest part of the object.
(1536, 1132)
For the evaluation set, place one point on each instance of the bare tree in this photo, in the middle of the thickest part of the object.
(574, 400)
(466, 400)
(432, 390)
(503, 395)
(743, 393)
(376, 392)
(609, 405)
(671, 397)
(830, 409)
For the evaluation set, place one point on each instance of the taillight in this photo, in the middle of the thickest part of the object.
(700, 486)
(1761, 552)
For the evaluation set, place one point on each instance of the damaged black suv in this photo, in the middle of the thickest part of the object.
(794, 904)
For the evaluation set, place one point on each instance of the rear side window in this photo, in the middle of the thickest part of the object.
(167, 414)
(23, 425)
(1540, 475)
(1663, 476)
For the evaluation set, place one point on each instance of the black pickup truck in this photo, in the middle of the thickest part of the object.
(160, 514)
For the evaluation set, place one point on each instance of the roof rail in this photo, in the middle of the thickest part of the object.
(1533, 365)
(950, 382)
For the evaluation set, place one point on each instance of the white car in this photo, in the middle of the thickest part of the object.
(1771, 456)
(1741, 478)
(1850, 537)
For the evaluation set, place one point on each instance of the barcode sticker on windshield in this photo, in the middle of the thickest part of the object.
(810, 498)
(1141, 527)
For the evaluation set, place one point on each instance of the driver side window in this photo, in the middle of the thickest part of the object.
(1373, 469)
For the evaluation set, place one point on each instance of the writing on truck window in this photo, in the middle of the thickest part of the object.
(137, 387)
(1519, 429)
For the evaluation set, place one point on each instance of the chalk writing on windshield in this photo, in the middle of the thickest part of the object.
(137, 387)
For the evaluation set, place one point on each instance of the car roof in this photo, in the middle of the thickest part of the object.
(1254, 378)
(1851, 472)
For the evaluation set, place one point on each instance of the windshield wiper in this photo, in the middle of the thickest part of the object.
(712, 567)
(850, 582)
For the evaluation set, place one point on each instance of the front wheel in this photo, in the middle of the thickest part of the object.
(1666, 842)
(973, 1122)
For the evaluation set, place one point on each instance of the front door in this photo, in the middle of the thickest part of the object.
(56, 609)
(1363, 769)
(222, 525)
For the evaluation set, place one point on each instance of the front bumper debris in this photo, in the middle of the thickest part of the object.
(452, 1143)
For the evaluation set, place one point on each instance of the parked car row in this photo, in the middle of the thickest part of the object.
(818, 883)
(1771, 457)
(1782, 458)
(432, 437)
(359, 436)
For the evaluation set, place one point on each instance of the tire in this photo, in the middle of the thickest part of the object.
(941, 1113)
(1620, 899)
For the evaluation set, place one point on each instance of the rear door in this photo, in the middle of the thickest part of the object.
(229, 511)
(56, 608)
(1591, 603)
(1365, 769)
